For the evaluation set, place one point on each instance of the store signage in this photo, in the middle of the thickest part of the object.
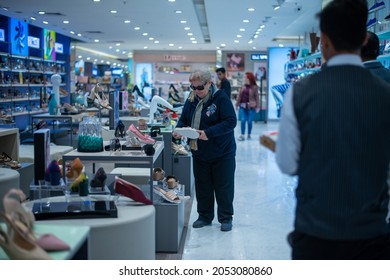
(59, 48)
(33, 42)
(2, 35)
(258, 56)
(175, 58)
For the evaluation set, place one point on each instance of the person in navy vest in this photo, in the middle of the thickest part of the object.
(334, 134)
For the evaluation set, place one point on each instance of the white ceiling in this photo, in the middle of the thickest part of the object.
(93, 20)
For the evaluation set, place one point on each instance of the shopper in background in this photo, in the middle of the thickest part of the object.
(369, 54)
(212, 114)
(248, 102)
(223, 82)
(334, 134)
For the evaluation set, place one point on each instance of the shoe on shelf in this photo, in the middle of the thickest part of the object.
(241, 138)
(200, 223)
(376, 7)
(170, 196)
(120, 130)
(158, 174)
(179, 149)
(387, 17)
(371, 23)
(226, 226)
(101, 101)
(143, 138)
(131, 191)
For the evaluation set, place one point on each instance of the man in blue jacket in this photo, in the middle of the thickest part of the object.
(212, 114)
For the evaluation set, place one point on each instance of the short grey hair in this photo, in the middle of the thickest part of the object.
(203, 76)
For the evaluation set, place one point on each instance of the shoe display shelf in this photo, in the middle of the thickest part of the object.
(25, 84)
(301, 67)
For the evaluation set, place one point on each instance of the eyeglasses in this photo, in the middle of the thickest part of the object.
(198, 87)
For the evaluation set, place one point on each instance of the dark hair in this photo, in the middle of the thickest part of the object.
(221, 69)
(371, 48)
(344, 22)
(251, 78)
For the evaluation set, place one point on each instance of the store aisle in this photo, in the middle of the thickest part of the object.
(264, 210)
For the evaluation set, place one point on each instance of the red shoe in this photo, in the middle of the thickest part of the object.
(131, 191)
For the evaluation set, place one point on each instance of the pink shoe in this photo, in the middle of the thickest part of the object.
(131, 191)
(141, 136)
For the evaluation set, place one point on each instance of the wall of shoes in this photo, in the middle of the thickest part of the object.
(379, 22)
(29, 56)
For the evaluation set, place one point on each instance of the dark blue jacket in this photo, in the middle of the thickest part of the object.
(378, 69)
(218, 120)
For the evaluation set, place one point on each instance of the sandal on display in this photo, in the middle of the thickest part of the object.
(131, 191)
(167, 195)
(101, 101)
(75, 170)
(179, 149)
(188, 132)
(5, 158)
(23, 221)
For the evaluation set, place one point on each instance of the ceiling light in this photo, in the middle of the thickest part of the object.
(102, 61)
(156, 42)
(171, 45)
(151, 38)
(262, 26)
(41, 12)
(137, 28)
(71, 32)
(117, 50)
(245, 20)
(66, 21)
(223, 45)
(194, 42)
(5, 8)
(79, 34)
(123, 52)
(254, 48)
(190, 34)
(45, 22)
(117, 44)
(110, 47)
(239, 36)
(276, 7)
(281, 45)
(178, 12)
(171, 0)
(242, 29)
(144, 34)
(256, 36)
(88, 58)
(187, 28)
(127, 21)
(33, 18)
(113, 12)
(217, 48)
(80, 56)
(236, 41)
(250, 42)
(183, 21)
(96, 40)
(145, 47)
(251, 9)
(179, 47)
(96, 0)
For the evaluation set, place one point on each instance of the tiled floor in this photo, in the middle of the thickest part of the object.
(264, 210)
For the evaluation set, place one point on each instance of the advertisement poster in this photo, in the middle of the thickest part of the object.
(235, 62)
(18, 37)
(144, 78)
(49, 41)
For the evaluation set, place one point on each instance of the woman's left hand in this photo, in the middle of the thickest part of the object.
(202, 135)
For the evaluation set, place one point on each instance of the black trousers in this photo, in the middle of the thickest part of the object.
(214, 180)
(307, 247)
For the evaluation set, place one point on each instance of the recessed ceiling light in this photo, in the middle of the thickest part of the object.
(171, 45)
(96, 40)
(144, 34)
(183, 21)
(245, 20)
(250, 42)
(223, 45)
(239, 36)
(5, 8)
(180, 47)
(217, 48)
(117, 44)
(262, 26)
(45, 22)
(251, 9)
(102, 61)
(236, 41)
(80, 56)
(254, 48)
(88, 58)
(41, 12)
(171, 0)
(113, 12)
(156, 42)
(33, 18)
(187, 28)
(71, 32)
(117, 50)
(123, 52)
(151, 38)
(66, 21)
(137, 28)
(190, 34)
(79, 34)
(127, 21)
(145, 47)
(178, 12)
(281, 45)
(256, 36)
(96, 0)
(242, 29)
(110, 47)
(194, 42)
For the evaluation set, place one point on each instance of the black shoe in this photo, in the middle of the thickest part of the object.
(200, 223)
(120, 129)
(226, 226)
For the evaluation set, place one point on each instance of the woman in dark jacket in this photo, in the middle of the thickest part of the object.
(212, 114)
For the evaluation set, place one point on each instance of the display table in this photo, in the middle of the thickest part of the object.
(56, 152)
(135, 158)
(74, 236)
(131, 236)
(9, 142)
